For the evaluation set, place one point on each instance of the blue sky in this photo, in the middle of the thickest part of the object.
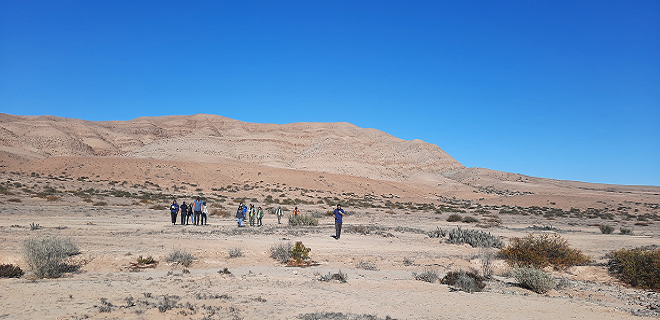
(555, 89)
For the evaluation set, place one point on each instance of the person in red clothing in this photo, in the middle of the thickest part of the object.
(296, 211)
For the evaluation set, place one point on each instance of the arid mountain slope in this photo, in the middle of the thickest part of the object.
(339, 148)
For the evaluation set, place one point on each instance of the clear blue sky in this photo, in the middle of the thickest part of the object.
(556, 89)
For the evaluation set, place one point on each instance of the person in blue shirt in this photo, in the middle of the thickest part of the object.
(174, 210)
(339, 213)
(198, 206)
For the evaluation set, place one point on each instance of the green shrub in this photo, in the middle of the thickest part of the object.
(10, 271)
(46, 255)
(606, 229)
(438, 233)
(455, 218)
(147, 260)
(300, 253)
(541, 251)
(475, 238)
(182, 257)
(639, 267)
(466, 281)
(534, 279)
(301, 220)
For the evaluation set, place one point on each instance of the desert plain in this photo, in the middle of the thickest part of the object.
(107, 186)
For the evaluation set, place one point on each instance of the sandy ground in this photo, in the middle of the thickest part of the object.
(259, 287)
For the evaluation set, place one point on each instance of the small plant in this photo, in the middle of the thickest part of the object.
(438, 233)
(147, 260)
(470, 219)
(340, 276)
(224, 271)
(454, 218)
(626, 231)
(300, 253)
(301, 220)
(534, 279)
(281, 251)
(542, 251)
(235, 252)
(169, 302)
(184, 258)
(100, 204)
(466, 281)
(428, 276)
(475, 238)
(606, 229)
(408, 261)
(639, 267)
(10, 271)
(105, 306)
(486, 256)
(366, 265)
(34, 226)
(46, 255)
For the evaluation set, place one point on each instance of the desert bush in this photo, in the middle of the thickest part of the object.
(159, 207)
(475, 238)
(46, 255)
(534, 279)
(15, 200)
(626, 231)
(408, 261)
(180, 256)
(34, 226)
(437, 233)
(639, 267)
(302, 220)
(105, 306)
(339, 316)
(455, 218)
(428, 276)
(366, 265)
(470, 219)
(486, 256)
(340, 276)
(220, 212)
(542, 251)
(100, 204)
(281, 251)
(299, 252)
(10, 271)
(466, 281)
(147, 260)
(235, 252)
(606, 229)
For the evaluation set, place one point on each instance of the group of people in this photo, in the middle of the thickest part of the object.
(196, 212)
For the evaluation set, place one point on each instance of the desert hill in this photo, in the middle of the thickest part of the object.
(339, 148)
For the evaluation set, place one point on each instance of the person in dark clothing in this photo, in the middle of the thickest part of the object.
(174, 210)
(184, 213)
(339, 214)
(198, 205)
(239, 215)
(190, 214)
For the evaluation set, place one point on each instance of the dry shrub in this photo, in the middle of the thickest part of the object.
(427, 276)
(466, 281)
(606, 229)
(147, 260)
(542, 251)
(281, 251)
(474, 238)
(366, 265)
(235, 252)
(46, 255)
(534, 279)
(220, 212)
(52, 198)
(340, 276)
(455, 218)
(100, 204)
(470, 219)
(301, 220)
(180, 256)
(10, 271)
(16, 200)
(639, 267)
(159, 207)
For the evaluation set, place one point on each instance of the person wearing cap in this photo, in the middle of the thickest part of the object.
(339, 214)
(251, 213)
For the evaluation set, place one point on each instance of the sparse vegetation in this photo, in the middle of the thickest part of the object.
(303, 220)
(235, 252)
(366, 265)
(46, 255)
(626, 231)
(437, 233)
(606, 229)
(475, 238)
(300, 253)
(182, 257)
(340, 276)
(466, 281)
(10, 271)
(281, 251)
(534, 279)
(542, 251)
(639, 267)
(427, 276)
(454, 218)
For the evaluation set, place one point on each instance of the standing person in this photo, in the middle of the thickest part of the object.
(260, 215)
(339, 213)
(251, 213)
(174, 210)
(279, 214)
(296, 211)
(198, 210)
(184, 213)
(190, 214)
(205, 214)
(239, 214)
